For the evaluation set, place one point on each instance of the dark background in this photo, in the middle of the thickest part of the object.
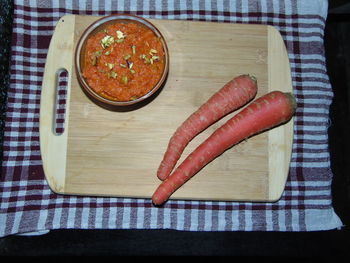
(171, 242)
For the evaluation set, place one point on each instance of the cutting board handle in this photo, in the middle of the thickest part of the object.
(62, 79)
(53, 144)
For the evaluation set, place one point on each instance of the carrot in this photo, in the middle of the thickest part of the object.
(233, 95)
(264, 113)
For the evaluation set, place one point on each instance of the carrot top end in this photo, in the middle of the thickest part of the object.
(292, 101)
(253, 78)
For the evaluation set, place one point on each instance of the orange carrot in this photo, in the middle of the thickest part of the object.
(233, 95)
(264, 113)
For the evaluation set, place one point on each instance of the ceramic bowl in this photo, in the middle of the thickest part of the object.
(99, 25)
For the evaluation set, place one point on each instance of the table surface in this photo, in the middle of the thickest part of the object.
(179, 206)
(341, 203)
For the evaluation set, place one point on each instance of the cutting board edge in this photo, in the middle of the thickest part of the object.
(61, 189)
(172, 198)
(279, 149)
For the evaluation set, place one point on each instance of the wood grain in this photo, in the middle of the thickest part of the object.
(117, 153)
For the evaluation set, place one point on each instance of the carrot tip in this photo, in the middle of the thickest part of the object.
(253, 78)
(156, 205)
(292, 100)
(161, 177)
(155, 202)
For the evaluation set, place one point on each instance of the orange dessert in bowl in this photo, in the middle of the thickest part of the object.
(121, 60)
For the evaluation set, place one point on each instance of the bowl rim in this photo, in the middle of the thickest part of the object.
(84, 36)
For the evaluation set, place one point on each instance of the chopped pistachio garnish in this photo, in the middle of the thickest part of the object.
(147, 60)
(94, 61)
(132, 71)
(153, 51)
(130, 65)
(112, 74)
(123, 65)
(153, 58)
(95, 56)
(125, 80)
(126, 57)
(108, 52)
(120, 34)
(120, 40)
(133, 47)
(107, 41)
(110, 66)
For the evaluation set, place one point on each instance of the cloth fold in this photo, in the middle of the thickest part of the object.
(26, 202)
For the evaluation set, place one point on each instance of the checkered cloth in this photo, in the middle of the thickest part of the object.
(28, 204)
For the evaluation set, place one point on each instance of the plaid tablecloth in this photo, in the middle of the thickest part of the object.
(28, 204)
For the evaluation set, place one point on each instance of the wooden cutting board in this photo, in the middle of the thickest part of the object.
(117, 153)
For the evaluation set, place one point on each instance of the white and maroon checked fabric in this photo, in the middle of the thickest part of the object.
(27, 203)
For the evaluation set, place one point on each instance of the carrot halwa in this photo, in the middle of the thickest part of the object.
(124, 61)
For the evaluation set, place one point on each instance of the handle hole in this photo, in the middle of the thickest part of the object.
(61, 101)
